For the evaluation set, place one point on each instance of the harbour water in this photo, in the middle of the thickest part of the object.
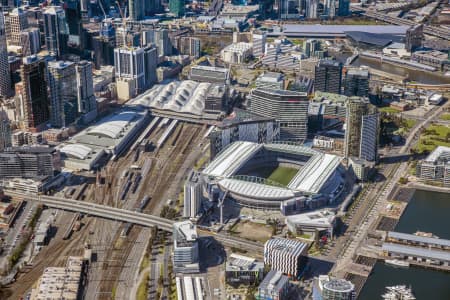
(413, 75)
(427, 211)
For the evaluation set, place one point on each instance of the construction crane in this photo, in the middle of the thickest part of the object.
(221, 204)
(101, 7)
(124, 23)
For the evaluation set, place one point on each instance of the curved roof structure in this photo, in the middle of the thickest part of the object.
(76, 150)
(231, 159)
(315, 173)
(114, 126)
(178, 96)
(316, 176)
(255, 190)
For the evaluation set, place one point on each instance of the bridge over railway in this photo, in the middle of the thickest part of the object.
(129, 216)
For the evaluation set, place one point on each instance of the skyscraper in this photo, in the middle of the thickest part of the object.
(189, 46)
(30, 40)
(328, 76)
(185, 247)
(5, 132)
(311, 46)
(176, 7)
(136, 9)
(127, 37)
(287, 107)
(162, 42)
(192, 196)
(344, 8)
(5, 78)
(33, 99)
(85, 87)
(16, 21)
(56, 31)
(259, 43)
(62, 82)
(356, 82)
(289, 9)
(311, 9)
(362, 129)
(76, 40)
(152, 7)
(104, 44)
(414, 37)
(330, 8)
(138, 64)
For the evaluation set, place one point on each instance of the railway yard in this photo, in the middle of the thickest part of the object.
(137, 180)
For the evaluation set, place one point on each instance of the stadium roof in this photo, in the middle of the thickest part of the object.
(291, 148)
(255, 190)
(310, 178)
(231, 159)
(417, 251)
(315, 173)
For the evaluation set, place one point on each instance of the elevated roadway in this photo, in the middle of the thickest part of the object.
(125, 215)
(103, 211)
(439, 32)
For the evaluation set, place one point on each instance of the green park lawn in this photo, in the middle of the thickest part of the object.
(433, 136)
(445, 117)
(388, 109)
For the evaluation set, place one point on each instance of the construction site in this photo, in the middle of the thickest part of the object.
(147, 177)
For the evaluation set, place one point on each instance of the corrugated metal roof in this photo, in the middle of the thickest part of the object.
(417, 238)
(416, 251)
(341, 29)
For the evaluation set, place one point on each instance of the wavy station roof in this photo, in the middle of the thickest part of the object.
(178, 96)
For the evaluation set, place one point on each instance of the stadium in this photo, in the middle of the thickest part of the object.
(263, 176)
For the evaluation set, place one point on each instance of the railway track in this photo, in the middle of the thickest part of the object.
(165, 174)
(47, 258)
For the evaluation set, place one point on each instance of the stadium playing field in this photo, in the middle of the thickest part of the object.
(283, 175)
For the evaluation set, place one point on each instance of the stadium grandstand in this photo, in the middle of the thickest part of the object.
(265, 175)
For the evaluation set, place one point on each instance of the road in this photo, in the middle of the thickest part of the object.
(443, 33)
(378, 195)
(105, 211)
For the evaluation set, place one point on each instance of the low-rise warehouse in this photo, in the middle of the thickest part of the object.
(418, 254)
(322, 222)
(61, 282)
(243, 270)
(111, 135)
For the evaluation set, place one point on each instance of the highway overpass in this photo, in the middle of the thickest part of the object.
(99, 210)
(440, 32)
(133, 217)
